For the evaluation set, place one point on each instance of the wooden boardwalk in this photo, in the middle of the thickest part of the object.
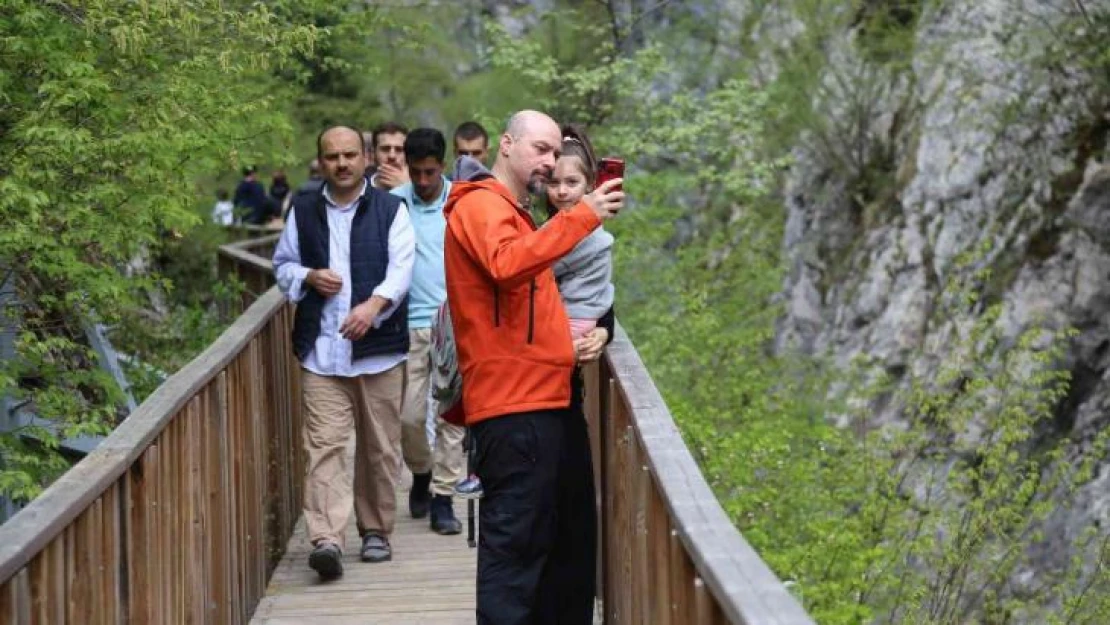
(429, 581)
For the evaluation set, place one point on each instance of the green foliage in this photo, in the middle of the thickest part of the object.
(340, 72)
(159, 343)
(568, 82)
(928, 520)
(108, 112)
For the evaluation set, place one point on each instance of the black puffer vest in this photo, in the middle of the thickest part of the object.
(369, 259)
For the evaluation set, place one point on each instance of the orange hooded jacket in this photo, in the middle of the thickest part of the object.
(511, 332)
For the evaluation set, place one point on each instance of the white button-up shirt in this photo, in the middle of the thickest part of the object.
(332, 353)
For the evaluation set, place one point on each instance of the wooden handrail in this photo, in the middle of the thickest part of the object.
(669, 553)
(248, 262)
(28, 532)
(184, 510)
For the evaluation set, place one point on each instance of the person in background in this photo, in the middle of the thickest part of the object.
(250, 198)
(223, 213)
(280, 194)
(371, 162)
(472, 140)
(350, 334)
(311, 186)
(314, 175)
(389, 156)
(434, 471)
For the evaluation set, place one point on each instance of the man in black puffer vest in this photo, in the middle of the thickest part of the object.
(345, 257)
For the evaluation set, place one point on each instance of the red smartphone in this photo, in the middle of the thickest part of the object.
(609, 168)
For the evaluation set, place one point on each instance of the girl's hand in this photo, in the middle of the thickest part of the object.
(589, 347)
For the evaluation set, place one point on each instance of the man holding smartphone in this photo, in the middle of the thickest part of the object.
(516, 359)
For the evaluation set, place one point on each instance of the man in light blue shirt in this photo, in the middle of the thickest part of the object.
(435, 473)
(346, 257)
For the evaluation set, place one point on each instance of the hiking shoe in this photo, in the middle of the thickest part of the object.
(420, 496)
(327, 561)
(470, 488)
(375, 548)
(443, 519)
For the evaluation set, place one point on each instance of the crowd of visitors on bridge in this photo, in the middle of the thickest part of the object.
(385, 255)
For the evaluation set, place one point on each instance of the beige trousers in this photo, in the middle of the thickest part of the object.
(371, 406)
(446, 462)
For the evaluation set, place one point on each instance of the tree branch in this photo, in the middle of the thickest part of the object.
(1083, 11)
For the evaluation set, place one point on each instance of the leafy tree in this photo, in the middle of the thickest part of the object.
(108, 113)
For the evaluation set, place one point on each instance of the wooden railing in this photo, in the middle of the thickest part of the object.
(182, 512)
(248, 262)
(180, 515)
(669, 553)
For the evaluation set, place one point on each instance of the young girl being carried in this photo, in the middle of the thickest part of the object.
(585, 274)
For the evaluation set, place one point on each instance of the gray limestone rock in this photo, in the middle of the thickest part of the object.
(999, 156)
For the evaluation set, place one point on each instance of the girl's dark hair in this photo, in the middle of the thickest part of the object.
(577, 143)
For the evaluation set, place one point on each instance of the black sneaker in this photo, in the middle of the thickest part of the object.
(375, 548)
(420, 495)
(327, 561)
(443, 519)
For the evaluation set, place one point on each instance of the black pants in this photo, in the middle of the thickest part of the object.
(538, 539)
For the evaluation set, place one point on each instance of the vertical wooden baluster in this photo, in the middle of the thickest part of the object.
(661, 561)
(703, 603)
(222, 498)
(680, 584)
(113, 537)
(643, 555)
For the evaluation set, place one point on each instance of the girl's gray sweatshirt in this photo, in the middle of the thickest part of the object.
(585, 276)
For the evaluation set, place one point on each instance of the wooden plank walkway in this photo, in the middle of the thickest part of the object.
(429, 581)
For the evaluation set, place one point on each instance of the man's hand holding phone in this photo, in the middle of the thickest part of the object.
(606, 200)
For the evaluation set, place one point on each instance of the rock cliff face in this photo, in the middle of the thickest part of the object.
(990, 140)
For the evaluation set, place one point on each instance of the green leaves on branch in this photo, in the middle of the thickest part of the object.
(108, 113)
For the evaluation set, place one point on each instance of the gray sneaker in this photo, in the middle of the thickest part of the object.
(375, 548)
(327, 561)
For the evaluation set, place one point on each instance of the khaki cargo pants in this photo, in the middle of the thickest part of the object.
(370, 405)
(446, 461)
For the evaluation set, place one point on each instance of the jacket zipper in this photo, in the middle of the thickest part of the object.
(496, 307)
(531, 311)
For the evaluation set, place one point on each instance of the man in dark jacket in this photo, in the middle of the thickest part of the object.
(250, 198)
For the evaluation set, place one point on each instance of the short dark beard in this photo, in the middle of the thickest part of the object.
(536, 186)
